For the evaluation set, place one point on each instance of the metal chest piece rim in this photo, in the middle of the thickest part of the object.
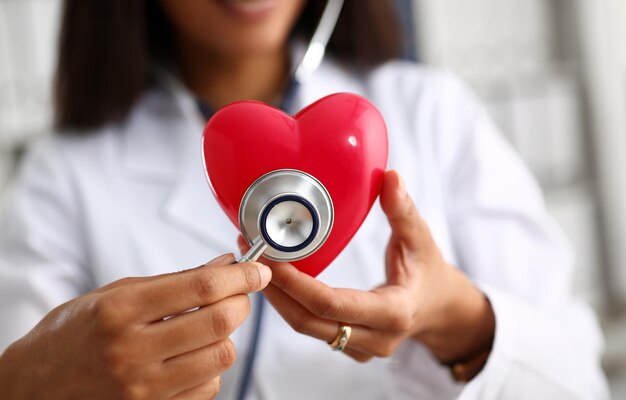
(290, 211)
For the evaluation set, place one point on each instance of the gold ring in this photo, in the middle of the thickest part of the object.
(341, 340)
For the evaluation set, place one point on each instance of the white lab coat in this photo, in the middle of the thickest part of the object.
(132, 200)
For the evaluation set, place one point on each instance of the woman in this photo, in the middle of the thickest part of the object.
(469, 298)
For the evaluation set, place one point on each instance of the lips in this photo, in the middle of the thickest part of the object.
(249, 8)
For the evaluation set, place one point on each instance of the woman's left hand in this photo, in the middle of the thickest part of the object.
(424, 298)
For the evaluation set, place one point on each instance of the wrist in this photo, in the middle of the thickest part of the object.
(463, 326)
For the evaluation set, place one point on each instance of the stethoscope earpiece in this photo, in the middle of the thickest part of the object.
(286, 215)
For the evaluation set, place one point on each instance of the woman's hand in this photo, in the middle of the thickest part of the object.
(133, 339)
(424, 298)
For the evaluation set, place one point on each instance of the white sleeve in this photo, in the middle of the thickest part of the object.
(547, 343)
(41, 250)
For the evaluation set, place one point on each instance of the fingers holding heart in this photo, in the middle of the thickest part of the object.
(379, 319)
(382, 309)
(323, 321)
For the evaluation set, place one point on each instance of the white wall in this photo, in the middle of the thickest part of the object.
(603, 24)
(28, 35)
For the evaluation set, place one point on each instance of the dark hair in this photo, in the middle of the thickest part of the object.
(106, 47)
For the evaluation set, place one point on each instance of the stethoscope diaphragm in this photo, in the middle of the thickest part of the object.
(286, 215)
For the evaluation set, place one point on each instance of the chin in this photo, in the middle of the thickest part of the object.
(254, 45)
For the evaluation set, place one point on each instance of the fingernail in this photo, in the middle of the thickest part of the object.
(401, 187)
(265, 273)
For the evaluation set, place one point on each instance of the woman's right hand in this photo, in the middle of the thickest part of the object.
(133, 339)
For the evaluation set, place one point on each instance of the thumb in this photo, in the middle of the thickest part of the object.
(223, 259)
(404, 219)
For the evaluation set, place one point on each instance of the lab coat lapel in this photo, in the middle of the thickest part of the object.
(192, 207)
(164, 147)
(327, 80)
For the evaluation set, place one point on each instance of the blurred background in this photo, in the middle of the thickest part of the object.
(552, 73)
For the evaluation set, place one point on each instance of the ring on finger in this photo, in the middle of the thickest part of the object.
(343, 336)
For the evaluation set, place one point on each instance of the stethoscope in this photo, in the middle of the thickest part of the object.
(286, 215)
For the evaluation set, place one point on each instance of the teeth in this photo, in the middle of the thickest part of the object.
(252, 6)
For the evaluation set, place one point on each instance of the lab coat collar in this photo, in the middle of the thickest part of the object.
(331, 77)
(163, 119)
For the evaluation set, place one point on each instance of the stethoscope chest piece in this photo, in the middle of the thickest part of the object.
(290, 211)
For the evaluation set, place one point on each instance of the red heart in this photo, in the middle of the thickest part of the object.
(341, 140)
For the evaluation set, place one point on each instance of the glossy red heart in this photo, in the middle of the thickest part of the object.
(341, 140)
